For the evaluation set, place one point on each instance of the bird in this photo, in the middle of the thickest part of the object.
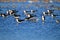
(16, 16)
(43, 18)
(50, 12)
(29, 16)
(57, 21)
(3, 15)
(11, 12)
(14, 11)
(33, 11)
(19, 20)
(25, 12)
(53, 15)
(45, 13)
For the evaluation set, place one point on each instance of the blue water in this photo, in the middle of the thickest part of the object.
(27, 30)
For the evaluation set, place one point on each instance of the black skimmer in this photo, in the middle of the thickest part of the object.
(30, 16)
(43, 18)
(16, 16)
(53, 15)
(27, 18)
(19, 20)
(25, 12)
(50, 12)
(14, 11)
(11, 12)
(3, 15)
(45, 13)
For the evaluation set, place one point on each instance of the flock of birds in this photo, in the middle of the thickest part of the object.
(29, 16)
(50, 13)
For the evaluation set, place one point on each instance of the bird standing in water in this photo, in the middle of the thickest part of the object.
(50, 12)
(29, 16)
(3, 15)
(16, 16)
(11, 12)
(43, 18)
(45, 13)
(53, 15)
(19, 20)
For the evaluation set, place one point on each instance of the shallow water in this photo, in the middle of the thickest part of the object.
(27, 30)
